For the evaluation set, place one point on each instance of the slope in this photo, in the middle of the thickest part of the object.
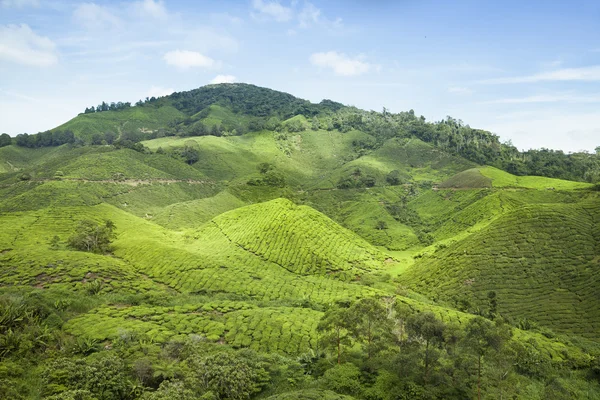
(540, 259)
(299, 239)
(135, 121)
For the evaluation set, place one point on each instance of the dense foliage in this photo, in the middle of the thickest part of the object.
(482, 147)
(250, 100)
(92, 236)
(108, 107)
(45, 139)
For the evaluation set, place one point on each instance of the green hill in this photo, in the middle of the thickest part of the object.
(246, 218)
(299, 239)
(541, 260)
(135, 120)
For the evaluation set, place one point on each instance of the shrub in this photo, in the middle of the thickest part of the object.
(343, 379)
(93, 237)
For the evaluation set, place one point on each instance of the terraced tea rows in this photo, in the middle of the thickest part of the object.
(239, 324)
(541, 260)
(193, 213)
(211, 263)
(205, 262)
(142, 199)
(298, 239)
(71, 270)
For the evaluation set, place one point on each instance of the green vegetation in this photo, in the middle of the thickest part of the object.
(233, 242)
(90, 236)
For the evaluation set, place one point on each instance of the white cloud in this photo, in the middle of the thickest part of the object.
(309, 15)
(271, 10)
(552, 64)
(588, 74)
(341, 64)
(158, 91)
(91, 15)
(151, 8)
(19, 44)
(226, 18)
(568, 131)
(206, 39)
(20, 3)
(223, 79)
(189, 59)
(20, 96)
(460, 90)
(545, 98)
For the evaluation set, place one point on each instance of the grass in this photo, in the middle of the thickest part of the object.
(219, 115)
(146, 118)
(471, 178)
(503, 179)
(193, 213)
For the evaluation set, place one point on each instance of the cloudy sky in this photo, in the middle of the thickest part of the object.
(528, 71)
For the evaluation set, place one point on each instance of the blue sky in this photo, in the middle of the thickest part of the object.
(528, 71)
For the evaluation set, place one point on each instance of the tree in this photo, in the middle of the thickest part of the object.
(5, 140)
(22, 140)
(381, 225)
(103, 376)
(393, 178)
(483, 336)
(334, 328)
(97, 139)
(170, 390)
(426, 327)
(110, 137)
(190, 154)
(493, 302)
(227, 375)
(371, 327)
(344, 379)
(315, 124)
(274, 178)
(93, 237)
(264, 167)
(215, 130)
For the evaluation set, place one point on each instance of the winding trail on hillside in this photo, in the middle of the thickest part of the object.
(130, 182)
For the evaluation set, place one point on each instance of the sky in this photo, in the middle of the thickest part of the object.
(528, 71)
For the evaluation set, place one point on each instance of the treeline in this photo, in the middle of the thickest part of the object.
(57, 138)
(118, 106)
(45, 139)
(107, 107)
(250, 100)
(482, 147)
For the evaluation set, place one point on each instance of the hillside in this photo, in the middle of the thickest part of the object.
(540, 259)
(311, 248)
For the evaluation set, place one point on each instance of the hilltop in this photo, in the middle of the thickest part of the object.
(252, 227)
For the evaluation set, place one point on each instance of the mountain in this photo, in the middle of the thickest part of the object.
(245, 223)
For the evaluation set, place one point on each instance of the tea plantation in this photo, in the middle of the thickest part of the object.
(228, 246)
